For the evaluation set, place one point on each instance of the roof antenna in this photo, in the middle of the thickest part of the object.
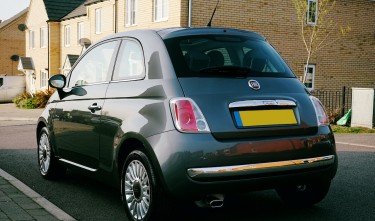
(212, 16)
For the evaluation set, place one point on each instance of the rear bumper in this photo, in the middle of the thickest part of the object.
(194, 165)
(260, 168)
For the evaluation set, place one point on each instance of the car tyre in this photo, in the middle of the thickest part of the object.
(49, 166)
(304, 195)
(142, 197)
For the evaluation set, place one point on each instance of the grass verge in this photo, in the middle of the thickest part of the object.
(350, 130)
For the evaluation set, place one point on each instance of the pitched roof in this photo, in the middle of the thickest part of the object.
(10, 20)
(26, 63)
(79, 11)
(57, 9)
(90, 2)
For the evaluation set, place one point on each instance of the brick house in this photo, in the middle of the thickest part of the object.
(348, 62)
(43, 40)
(12, 43)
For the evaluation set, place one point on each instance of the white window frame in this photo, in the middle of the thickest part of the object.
(31, 39)
(43, 37)
(67, 35)
(43, 78)
(160, 10)
(98, 21)
(309, 5)
(131, 11)
(308, 74)
(80, 31)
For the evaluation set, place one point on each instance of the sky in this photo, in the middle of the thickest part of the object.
(9, 8)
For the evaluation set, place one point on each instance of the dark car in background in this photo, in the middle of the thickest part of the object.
(187, 113)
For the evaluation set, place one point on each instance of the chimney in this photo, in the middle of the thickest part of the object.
(1, 21)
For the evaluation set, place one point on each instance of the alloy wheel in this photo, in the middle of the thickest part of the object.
(44, 150)
(137, 189)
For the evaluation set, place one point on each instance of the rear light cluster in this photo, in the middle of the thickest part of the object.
(187, 116)
(320, 112)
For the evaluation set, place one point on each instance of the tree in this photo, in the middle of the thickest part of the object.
(318, 29)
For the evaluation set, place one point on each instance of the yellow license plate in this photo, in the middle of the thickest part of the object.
(252, 118)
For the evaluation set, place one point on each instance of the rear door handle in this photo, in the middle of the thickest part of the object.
(94, 107)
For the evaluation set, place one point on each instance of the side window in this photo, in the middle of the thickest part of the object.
(94, 67)
(1, 81)
(130, 62)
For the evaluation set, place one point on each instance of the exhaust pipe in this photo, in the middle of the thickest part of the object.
(212, 201)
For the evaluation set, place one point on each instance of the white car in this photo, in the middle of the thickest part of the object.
(11, 86)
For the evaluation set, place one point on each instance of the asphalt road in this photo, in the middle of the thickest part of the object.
(352, 194)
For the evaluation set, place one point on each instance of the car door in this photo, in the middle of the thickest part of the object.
(76, 122)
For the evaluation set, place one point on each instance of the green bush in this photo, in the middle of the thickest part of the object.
(31, 101)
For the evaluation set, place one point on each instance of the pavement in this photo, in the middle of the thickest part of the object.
(17, 201)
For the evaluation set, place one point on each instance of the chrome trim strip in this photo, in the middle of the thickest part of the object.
(258, 168)
(78, 165)
(258, 103)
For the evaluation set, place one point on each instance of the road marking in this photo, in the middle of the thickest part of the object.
(50, 207)
(354, 144)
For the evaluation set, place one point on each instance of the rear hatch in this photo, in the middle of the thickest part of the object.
(233, 110)
(241, 84)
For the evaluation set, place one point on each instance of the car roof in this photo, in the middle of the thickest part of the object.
(166, 33)
(179, 32)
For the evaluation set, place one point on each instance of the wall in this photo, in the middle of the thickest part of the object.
(12, 42)
(349, 61)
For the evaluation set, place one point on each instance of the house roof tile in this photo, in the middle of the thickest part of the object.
(90, 2)
(57, 9)
(78, 12)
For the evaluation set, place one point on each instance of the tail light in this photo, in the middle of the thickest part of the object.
(320, 112)
(187, 116)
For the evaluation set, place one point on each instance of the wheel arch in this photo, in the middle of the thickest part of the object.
(133, 141)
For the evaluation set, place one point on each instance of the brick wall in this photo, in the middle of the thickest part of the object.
(348, 62)
(145, 15)
(12, 42)
(36, 19)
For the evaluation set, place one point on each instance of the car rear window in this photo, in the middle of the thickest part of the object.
(209, 55)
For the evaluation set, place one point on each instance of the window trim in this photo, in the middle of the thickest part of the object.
(164, 5)
(67, 35)
(98, 21)
(45, 80)
(80, 31)
(31, 39)
(308, 22)
(313, 66)
(131, 16)
(43, 37)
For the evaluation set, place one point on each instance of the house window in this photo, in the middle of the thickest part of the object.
(310, 76)
(312, 12)
(130, 10)
(43, 79)
(31, 39)
(43, 37)
(67, 35)
(81, 31)
(98, 21)
(160, 10)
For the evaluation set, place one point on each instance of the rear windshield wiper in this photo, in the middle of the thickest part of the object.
(227, 71)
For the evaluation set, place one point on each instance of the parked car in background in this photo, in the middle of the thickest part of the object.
(11, 86)
(188, 113)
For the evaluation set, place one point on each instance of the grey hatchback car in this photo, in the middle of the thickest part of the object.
(187, 113)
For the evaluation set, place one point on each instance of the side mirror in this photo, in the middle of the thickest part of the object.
(57, 81)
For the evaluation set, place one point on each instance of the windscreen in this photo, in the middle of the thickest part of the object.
(211, 55)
